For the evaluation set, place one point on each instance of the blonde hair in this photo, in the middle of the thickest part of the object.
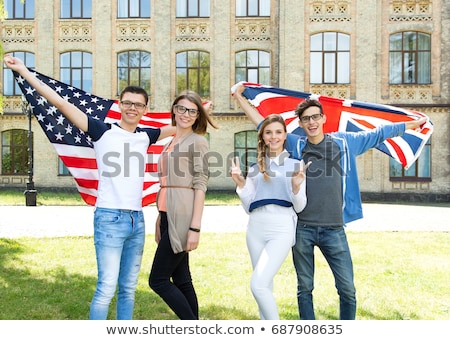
(262, 148)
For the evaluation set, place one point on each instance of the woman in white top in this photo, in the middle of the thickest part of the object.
(272, 194)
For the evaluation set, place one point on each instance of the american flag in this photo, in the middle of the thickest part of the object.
(345, 115)
(75, 148)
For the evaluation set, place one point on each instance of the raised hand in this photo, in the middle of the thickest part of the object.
(236, 173)
(299, 177)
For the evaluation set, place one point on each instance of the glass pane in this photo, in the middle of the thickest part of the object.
(181, 59)
(343, 68)
(122, 9)
(409, 75)
(204, 59)
(134, 8)
(181, 9)
(77, 59)
(76, 78)
(134, 58)
(193, 79)
(252, 7)
(395, 67)
(395, 42)
(343, 42)
(315, 70)
(424, 42)
(316, 42)
(395, 168)
(87, 80)
(145, 8)
(87, 8)
(87, 59)
(145, 59)
(424, 67)
(65, 60)
(204, 82)
(123, 59)
(252, 75)
(264, 58)
(264, 9)
(193, 57)
(330, 68)
(239, 140)
(409, 41)
(134, 77)
(65, 75)
(241, 6)
(193, 8)
(252, 58)
(145, 79)
(329, 41)
(19, 9)
(29, 9)
(411, 172)
(241, 59)
(264, 76)
(240, 74)
(181, 79)
(76, 8)
(204, 8)
(424, 162)
(65, 8)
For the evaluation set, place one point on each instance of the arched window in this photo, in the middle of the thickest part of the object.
(193, 72)
(10, 86)
(253, 66)
(76, 69)
(133, 68)
(410, 58)
(330, 58)
(15, 152)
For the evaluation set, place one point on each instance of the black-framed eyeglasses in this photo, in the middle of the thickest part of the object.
(127, 104)
(181, 110)
(315, 117)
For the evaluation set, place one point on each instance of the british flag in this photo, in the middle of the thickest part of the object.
(345, 115)
(75, 148)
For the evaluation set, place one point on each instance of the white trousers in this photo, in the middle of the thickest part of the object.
(269, 239)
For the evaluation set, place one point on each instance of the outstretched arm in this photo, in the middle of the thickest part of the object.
(414, 124)
(250, 111)
(75, 115)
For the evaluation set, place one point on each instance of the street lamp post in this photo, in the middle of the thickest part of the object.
(30, 193)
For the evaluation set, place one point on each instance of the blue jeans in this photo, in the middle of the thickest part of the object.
(119, 237)
(170, 277)
(333, 244)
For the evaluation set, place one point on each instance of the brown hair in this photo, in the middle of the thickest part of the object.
(203, 118)
(302, 106)
(262, 147)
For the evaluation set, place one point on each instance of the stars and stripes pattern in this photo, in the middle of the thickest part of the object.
(75, 148)
(345, 115)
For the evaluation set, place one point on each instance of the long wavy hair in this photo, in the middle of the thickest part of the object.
(262, 148)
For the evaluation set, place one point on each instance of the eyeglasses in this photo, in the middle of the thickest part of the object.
(181, 110)
(127, 104)
(315, 117)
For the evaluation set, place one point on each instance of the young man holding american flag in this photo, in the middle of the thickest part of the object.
(120, 151)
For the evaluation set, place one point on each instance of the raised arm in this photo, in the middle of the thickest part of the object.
(75, 115)
(414, 124)
(250, 111)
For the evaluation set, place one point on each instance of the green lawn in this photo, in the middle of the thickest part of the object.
(398, 276)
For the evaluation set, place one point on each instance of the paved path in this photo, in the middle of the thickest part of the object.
(57, 221)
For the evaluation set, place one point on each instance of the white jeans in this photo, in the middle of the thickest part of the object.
(270, 237)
